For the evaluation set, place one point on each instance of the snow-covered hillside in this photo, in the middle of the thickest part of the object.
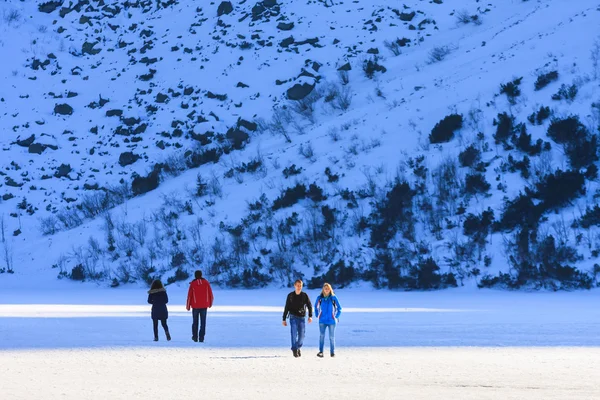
(262, 141)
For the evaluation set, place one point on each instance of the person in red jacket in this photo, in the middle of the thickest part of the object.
(200, 297)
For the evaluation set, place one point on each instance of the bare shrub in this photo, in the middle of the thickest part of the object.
(49, 225)
(371, 65)
(69, 218)
(174, 164)
(167, 221)
(7, 254)
(144, 270)
(307, 106)
(196, 253)
(120, 193)
(282, 266)
(334, 133)
(595, 57)
(330, 92)
(94, 246)
(2, 229)
(393, 46)
(279, 122)
(94, 204)
(173, 201)
(215, 188)
(344, 77)
(11, 16)
(306, 150)
(261, 125)
(542, 166)
(123, 273)
(447, 185)
(87, 260)
(438, 54)
(343, 99)
(463, 17)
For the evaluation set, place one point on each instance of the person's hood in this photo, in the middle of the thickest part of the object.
(157, 290)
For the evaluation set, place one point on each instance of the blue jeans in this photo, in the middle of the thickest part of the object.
(198, 312)
(322, 328)
(298, 327)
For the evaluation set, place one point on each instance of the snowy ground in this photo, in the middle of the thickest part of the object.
(267, 373)
(463, 344)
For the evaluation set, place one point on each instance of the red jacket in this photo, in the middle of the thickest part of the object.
(200, 294)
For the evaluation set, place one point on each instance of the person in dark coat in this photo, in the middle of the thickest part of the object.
(157, 296)
(296, 305)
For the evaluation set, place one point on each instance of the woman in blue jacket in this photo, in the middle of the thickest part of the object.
(328, 310)
(157, 296)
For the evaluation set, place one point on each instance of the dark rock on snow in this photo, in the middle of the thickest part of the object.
(26, 142)
(88, 48)
(298, 92)
(36, 148)
(285, 26)
(128, 158)
(49, 6)
(224, 8)
(63, 109)
(237, 137)
(63, 171)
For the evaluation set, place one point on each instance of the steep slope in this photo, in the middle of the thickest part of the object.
(227, 107)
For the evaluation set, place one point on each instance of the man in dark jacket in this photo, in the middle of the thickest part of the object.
(296, 304)
(200, 297)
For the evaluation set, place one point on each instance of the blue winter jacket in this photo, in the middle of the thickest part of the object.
(327, 309)
(159, 299)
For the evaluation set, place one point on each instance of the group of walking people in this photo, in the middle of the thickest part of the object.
(199, 299)
(297, 305)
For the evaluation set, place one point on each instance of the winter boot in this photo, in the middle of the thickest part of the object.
(320, 354)
(168, 335)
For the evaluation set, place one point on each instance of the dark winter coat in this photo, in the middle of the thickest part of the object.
(159, 299)
(296, 305)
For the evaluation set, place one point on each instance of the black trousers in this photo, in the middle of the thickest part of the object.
(163, 322)
(198, 312)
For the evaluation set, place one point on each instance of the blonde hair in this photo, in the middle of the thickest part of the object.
(330, 289)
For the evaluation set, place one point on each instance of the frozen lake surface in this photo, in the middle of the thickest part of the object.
(97, 344)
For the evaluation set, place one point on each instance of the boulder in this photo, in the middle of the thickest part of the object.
(298, 91)
(49, 6)
(251, 126)
(128, 158)
(26, 142)
(114, 113)
(36, 148)
(131, 121)
(285, 26)
(88, 48)
(63, 171)
(287, 42)
(63, 109)
(237, 137)
(224, 8)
